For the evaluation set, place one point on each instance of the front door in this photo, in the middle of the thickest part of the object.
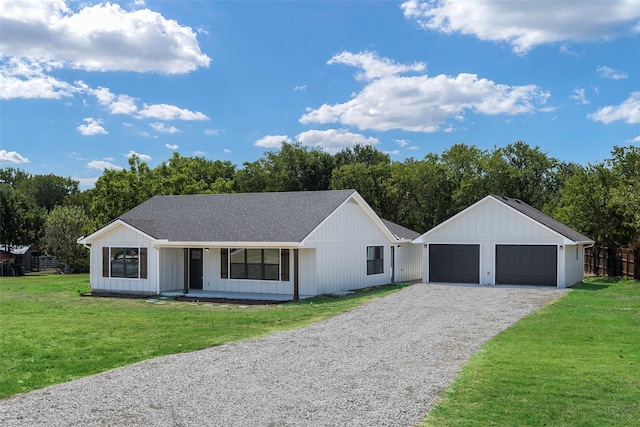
(195, 268)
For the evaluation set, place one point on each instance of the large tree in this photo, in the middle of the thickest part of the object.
(293, 167)
(118, 191)
(49, 191)
(65, 224)
(192, 175)
(588, 205)
(21, 220)
(625, 163)
(522, 172)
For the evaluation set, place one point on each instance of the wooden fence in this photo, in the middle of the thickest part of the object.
(620, 262)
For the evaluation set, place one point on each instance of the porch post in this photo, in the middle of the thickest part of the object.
(296, 280)
(185, 287)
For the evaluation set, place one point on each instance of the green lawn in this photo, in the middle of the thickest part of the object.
(573, 363)
(50, 334)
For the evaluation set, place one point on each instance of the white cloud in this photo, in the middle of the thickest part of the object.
(93, 127)
(373, 66)
(12, 157)
(100, 37)
(226, 150)
(169, 112)
(172, 146)
(334, 140)
(405, 144)
(301, 88)
(29, 79)
(526, 24)
(102, 165)
(142, 157)
(628, 111)
(116, 104)
(162, 128)
(213, 132)
(272, 141)
(579, 96)
(610, 73)
(636, 139)
(421, 103)
(86, 183)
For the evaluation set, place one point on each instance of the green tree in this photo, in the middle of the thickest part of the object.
(360, 153)
(588, 205)
(21, 220)
(465, 168)
(65, 224)
(371, 181)
(522, 172)
(118, 191)
(192, 175)
(415, 193)
(625, 163)
(13, 176)
(293, 167)
(50, 190)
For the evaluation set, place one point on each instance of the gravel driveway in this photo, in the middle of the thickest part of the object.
(382, 364)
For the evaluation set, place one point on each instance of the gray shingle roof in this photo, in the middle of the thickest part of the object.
(399, 231)
(243, 217)
(543, 219)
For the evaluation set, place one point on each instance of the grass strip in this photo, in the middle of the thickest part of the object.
(572, 363)
(50, 334)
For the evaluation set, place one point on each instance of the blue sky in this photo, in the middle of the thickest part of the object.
(83, 84)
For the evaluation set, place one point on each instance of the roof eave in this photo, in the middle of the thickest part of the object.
(191, 244)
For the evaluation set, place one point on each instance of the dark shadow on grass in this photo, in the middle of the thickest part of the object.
(596, 283)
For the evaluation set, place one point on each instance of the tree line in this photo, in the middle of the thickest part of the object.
(600, 200)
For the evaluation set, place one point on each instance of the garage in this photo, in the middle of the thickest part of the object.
(503, 241)
(527, 265)
(454, 263)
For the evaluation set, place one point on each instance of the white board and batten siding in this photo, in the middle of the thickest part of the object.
(334, 256)
(489, 224)
(408, 262)
(121, 236)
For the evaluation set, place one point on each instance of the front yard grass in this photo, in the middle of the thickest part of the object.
(572, 363)
(50, 334)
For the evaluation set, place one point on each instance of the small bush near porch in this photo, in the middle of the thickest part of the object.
(572, 363)
(50, 334)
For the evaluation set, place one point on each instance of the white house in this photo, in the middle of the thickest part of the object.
(503, 241)
(254, 246)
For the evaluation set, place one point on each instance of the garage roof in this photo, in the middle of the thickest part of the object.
(543, 219)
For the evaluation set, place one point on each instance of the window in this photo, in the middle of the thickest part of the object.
(255, 264)
(375, 260)
(125, 263)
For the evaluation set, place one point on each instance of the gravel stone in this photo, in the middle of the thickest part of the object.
(381, 364)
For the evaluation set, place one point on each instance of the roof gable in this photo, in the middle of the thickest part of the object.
(494, 222)
(242, 217)
(400, 232)
(543, 219)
